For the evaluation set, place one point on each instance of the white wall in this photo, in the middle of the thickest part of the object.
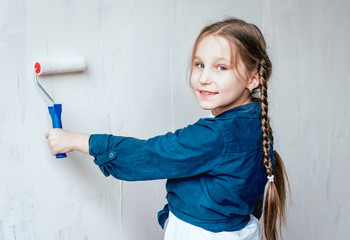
(136, 85)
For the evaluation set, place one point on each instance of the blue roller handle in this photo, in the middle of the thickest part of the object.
(55, 112)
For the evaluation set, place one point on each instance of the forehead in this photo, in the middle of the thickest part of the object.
(213, 46)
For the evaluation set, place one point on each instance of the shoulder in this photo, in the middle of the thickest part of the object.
(204, 130)
(241, 127)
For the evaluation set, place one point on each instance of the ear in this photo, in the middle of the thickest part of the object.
(253, 81)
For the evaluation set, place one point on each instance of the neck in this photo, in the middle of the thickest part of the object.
(242, 101)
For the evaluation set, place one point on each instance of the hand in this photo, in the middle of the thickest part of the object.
(62, 141)
(59, 141)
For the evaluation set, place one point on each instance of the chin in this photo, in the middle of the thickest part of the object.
(206, 107)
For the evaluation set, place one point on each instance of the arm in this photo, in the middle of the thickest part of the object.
(187, 152)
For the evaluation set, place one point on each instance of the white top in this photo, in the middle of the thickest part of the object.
(180, 230)
(211, 115)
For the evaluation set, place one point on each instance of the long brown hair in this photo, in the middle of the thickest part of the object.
(250, 47)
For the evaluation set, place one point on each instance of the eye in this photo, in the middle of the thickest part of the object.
(200, 65)
(222, 68)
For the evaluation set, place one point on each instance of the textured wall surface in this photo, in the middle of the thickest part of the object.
(136, 85)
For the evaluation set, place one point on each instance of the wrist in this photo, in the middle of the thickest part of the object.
(80, 142)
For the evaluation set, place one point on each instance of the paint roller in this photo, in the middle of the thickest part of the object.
(59, 66)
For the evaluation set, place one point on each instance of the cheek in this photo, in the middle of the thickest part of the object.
(233, 87)
(193, 80)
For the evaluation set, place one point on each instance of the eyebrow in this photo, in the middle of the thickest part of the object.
(215, 59)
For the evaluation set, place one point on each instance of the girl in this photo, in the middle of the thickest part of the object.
(217, 168)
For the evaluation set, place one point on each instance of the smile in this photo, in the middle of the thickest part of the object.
(207, 93)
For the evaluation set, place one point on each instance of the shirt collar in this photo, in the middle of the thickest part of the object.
(250, 110)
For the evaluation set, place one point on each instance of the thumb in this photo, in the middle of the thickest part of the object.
(47, 135)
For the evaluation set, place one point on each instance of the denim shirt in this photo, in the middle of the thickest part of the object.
(214, 167)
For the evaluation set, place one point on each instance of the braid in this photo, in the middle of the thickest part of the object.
(275, 195)
(265, 126)
(263, 90)
(265, 120)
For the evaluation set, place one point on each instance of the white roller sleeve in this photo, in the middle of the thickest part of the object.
(45, 67)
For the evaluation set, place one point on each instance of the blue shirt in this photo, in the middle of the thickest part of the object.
(214, 167)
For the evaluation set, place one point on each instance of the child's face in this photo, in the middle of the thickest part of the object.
(213, 79)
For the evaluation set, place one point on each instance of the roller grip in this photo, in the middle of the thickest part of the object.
(55, 112)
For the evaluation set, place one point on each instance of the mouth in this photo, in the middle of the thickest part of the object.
(207, 93)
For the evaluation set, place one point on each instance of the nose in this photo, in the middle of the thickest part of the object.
(204, 78)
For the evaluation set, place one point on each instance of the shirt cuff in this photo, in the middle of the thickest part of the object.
(99, 148)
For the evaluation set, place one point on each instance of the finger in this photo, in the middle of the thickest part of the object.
(53, 153)
(47, 135)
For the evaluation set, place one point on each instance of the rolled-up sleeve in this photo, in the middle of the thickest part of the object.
(186, 152)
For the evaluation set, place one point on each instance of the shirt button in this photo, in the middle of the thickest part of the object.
(111, 155)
